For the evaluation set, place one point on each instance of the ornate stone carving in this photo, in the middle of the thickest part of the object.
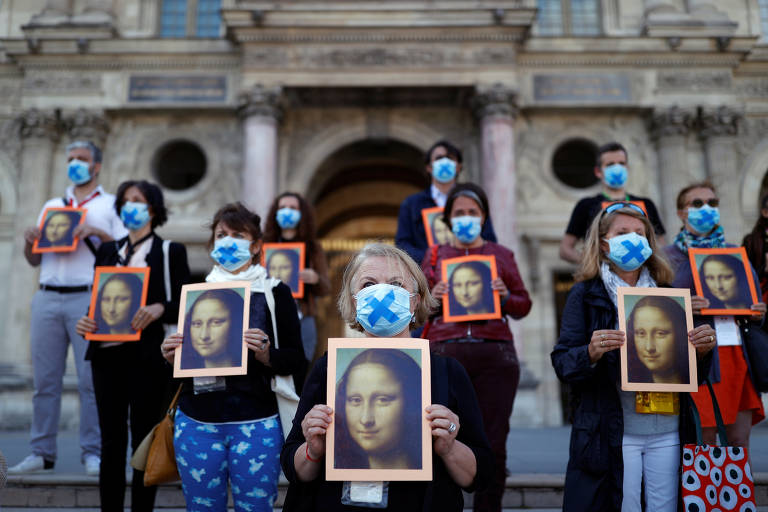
(691, 80)
(261, 101)
(351, 57)
(87, 125)
(718, 121)
(46, 83)
(494, 100)
(672, 121)
(36, 123)
(754, 88)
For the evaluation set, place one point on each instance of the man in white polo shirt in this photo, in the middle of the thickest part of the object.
(64, 297)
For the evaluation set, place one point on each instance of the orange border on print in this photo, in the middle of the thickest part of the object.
(99, 272)
(639, 204)
(685, 294)
(67, 248)
(425, 213)
(212, 372)
(301, 246)
(692, 252)
(495, 314)
(378, 475)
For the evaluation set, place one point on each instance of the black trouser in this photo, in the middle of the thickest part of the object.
(127, 390)
(495, 372)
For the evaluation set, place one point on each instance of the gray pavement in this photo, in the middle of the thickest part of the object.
(529, 450)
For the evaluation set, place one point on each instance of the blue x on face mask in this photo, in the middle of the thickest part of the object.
(629, 251)
(231, 253)
(384, 310)
(704, 219)
(287, 218)
(79, 172)
(615, 175)
(466, 228)
(444, 170)
(134, 215)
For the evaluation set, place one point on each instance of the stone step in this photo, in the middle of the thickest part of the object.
(536, 491)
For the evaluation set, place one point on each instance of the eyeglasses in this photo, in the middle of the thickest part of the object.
(698, 203)
(618, 206)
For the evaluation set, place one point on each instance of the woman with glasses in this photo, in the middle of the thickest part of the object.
(697, 207)
(615, 447)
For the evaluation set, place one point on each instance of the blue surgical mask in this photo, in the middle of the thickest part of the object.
(384, 310)
(287, 218)
(629, 251)
(466, 228)
(79, 172)
(615, 175)
(231, 253)
(134, 215)
(703, 219)
(444, 170)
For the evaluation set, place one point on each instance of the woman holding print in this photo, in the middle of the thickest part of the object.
(213, 328)
(724, 282)
(470, 292)
(461, 456)
(740, 404)
(614, 446)
(119, 296)
(657, 347)
(227, 430)
(376, 399)
(291, 219)
(122, 398)
(485, 348)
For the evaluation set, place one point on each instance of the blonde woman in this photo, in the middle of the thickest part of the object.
(613, 447)
(462, 458)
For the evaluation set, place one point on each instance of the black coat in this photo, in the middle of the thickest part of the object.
(594, 477)
(151, 337)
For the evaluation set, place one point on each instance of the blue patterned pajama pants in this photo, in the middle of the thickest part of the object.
(245, 453)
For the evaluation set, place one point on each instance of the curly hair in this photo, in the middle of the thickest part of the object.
(238, 218)
(233, 303)
(348, 454)
(636, 370)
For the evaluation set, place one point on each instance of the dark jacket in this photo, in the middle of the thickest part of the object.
(517, 304)
(594, 477)
(452, 388)
(153, 335)
(410, 235)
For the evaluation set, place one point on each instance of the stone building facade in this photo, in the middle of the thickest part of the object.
(240, 99)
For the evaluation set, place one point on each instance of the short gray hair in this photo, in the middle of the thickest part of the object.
(90, 146)
(346, 302)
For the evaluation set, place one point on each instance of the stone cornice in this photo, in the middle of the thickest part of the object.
(41, 124)
(628, 59)
(131, 62)
(261, 101)
(259, 36)
(86, 124)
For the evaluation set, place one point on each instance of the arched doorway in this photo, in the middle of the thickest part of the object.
(358, 202)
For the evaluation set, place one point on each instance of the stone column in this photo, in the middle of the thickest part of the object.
(260, 109)
(669, 130)
(719, 127)
(495, 108)
(39, 131)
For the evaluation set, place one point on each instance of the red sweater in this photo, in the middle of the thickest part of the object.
(517, 305)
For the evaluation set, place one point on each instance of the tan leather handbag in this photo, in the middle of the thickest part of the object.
(155, 455)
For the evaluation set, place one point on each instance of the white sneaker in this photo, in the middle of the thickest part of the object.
(92, 463)
(31, 464)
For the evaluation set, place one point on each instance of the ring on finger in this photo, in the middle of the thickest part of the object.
(452, 428)
(602, 343)
(602, 336)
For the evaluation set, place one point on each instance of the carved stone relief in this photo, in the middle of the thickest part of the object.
(51, 83)
(693, 80)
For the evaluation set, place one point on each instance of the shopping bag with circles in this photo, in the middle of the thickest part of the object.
(716, 477)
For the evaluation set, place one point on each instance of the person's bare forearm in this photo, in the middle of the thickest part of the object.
(306, 470)
(461, 464)
(33, 259)
(568, 250)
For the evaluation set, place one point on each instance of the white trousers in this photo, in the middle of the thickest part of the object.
(657, 458)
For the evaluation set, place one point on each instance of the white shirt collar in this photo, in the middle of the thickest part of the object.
(438, 197)
(71, 193)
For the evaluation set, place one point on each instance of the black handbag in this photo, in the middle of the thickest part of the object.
(755, 342)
